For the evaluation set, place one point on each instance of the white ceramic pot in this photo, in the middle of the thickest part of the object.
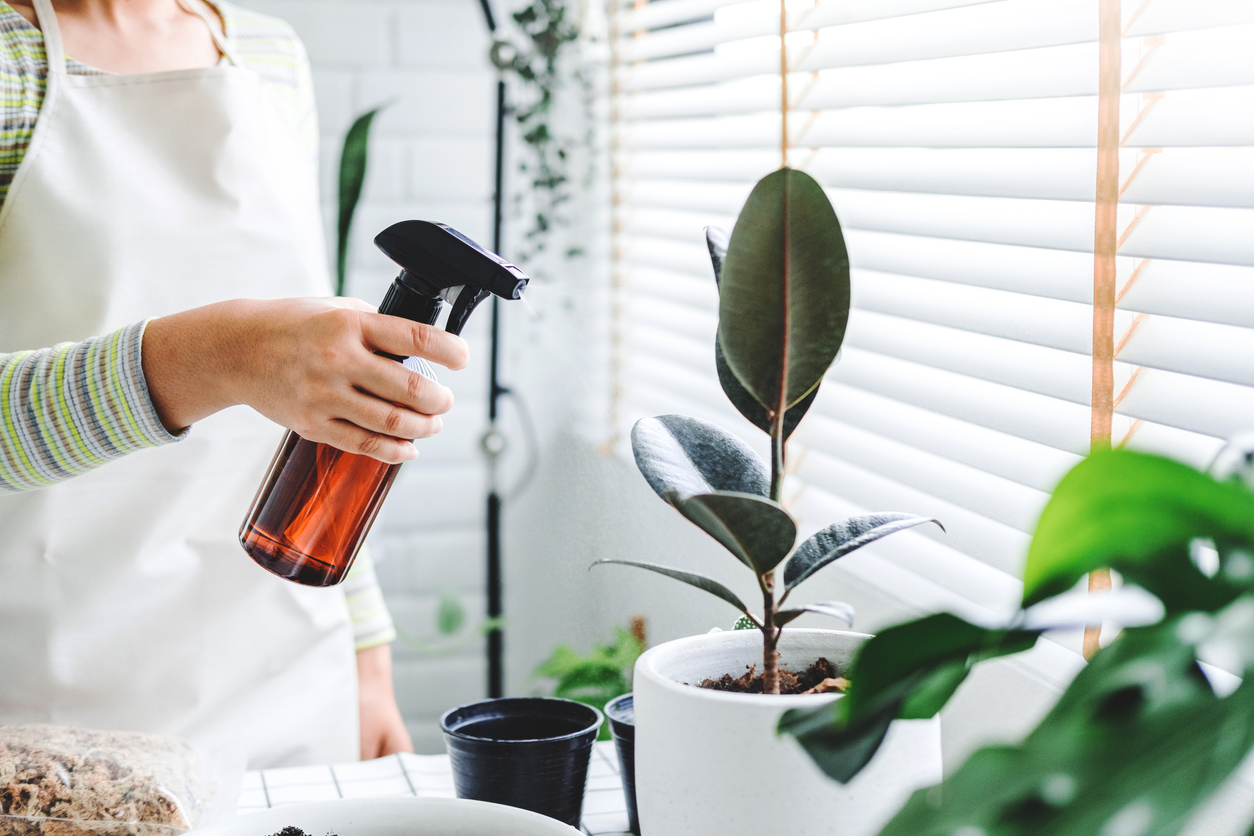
(711, 762)
(393, 817)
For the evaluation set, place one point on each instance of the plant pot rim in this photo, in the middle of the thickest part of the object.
(598, 718)
(612, 709)
(647, 666)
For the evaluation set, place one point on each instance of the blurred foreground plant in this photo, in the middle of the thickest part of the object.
(1142, 735)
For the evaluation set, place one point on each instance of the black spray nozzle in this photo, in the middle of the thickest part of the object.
(439, 264)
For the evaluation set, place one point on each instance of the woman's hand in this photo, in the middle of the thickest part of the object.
(382, 729)
(308, 364)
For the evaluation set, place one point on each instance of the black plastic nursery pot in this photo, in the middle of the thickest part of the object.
(527, 752)
(621, 713)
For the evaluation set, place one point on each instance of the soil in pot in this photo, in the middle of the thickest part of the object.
(819, 678)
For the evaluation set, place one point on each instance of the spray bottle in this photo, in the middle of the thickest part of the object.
(316, 503)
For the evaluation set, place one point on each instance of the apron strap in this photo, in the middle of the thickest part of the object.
(47, 19)
(218, 40)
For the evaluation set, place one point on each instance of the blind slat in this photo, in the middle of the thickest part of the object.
(987, 494)
(1026, 462)
(1183, 118)
(1000, 546)
(1177, 176)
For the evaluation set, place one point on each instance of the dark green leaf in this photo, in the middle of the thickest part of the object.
(716, 241)
(907, 672)
(895, 655)
(1137, 513)
(690, 456)
(711, 586)
(756, 530)
(1138, 739)
(753, 411)
(451, 614)
(834, 609)
(839, 539)
(352, 176)
(784, 290)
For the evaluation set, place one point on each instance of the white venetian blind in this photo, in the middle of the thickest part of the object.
(959, 143)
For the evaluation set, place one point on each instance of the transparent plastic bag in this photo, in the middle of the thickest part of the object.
(62, 781)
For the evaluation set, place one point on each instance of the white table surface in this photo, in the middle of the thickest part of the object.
(424, 776)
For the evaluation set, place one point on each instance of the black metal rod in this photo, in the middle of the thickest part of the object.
(496, 638)
(487, 15)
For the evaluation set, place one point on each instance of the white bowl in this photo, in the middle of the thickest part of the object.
(393, 817)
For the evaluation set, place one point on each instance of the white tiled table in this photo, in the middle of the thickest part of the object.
(424, 776)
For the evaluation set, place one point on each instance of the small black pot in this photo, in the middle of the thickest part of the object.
(528, 752)
(622, 715)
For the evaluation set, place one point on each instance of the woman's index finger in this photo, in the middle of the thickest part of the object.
(395, 335)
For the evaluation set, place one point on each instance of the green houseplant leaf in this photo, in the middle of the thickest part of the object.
(690, 456)
(839, 539)
(784, 290)
(699, 581)
(908, 672)
(833, 609)
(1134, 744)
(352, 177)
(1137, 513)
(716, 241)
(756, 530)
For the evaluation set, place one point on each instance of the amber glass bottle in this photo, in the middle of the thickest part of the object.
(316, 503)
(314, 509)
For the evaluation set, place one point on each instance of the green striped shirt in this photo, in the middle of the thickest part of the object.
(73, 407)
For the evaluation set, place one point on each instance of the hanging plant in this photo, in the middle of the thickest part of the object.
(545, 166)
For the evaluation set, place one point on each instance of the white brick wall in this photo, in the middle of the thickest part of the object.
(431, 158)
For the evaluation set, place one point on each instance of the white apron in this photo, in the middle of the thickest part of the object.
(126, 601)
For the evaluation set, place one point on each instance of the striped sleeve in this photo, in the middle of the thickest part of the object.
(68, 409)
(372, 624)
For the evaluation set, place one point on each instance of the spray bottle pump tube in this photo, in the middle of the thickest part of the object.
(316, 503)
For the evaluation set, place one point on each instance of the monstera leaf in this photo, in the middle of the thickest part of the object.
(716, 240)
(1136, 742)
(1138, 513)
(783, 291)
(689, 456)
(839, 539)
(756, 530)
(909, 672)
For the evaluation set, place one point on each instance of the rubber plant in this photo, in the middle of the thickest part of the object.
(783, 279)
(1142, 735)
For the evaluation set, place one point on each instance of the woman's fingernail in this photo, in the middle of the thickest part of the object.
(412, 452)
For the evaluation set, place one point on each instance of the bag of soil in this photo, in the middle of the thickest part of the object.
(60, 781)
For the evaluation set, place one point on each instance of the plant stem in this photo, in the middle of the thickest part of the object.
(777, 456)
(770, 636)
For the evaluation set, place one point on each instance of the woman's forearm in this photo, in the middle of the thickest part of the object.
(307, 364)
(68, 409)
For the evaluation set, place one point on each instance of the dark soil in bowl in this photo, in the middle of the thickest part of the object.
(294, 831)
(819, 678)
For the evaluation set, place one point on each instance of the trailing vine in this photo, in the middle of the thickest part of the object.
(548, 32)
